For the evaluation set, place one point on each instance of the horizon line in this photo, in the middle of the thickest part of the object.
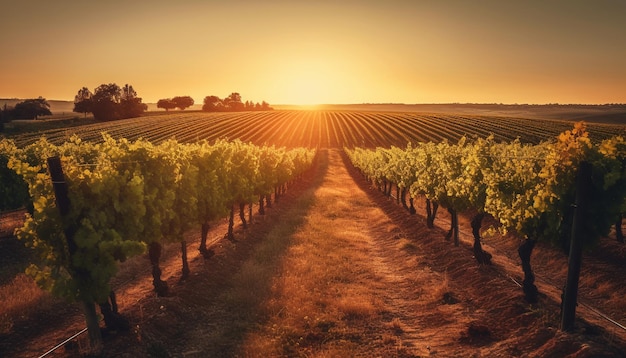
(392, 103)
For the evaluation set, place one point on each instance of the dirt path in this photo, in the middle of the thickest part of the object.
(334, 270)
(346, 285)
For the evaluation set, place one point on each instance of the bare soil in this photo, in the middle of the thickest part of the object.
(352, 274)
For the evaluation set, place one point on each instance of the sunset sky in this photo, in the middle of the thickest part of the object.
(309, 52)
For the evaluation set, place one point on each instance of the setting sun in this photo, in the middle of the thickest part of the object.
(309, 81)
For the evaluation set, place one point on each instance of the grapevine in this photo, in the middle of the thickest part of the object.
(528, 188)
(128, 196)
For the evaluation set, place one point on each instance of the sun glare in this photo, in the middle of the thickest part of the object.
(307, 91)
(310, 82)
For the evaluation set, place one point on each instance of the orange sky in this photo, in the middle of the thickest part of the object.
(307, 52)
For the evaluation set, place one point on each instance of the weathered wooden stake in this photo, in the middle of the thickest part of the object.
(570, 294)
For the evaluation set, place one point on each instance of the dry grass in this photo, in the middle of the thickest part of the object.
(437, 289)
(601, 272)
(408, 246)
(21, 298)
(357, 306)
(396, 326)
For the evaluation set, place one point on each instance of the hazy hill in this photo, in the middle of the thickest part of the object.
(56, 106)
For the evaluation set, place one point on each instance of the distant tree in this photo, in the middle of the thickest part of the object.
(82, 101)
(130, 104)
(235, 97)
(183, 102)
(226, 102)
(32, 108)
(212, 104)
(166, 104)
(233, 102)
(105, 102)
(266, 106)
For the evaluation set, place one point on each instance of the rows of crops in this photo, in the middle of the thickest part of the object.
(570, 192)
(334, 129)
(97, 204)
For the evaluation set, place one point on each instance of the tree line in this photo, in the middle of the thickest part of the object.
(109, 102)
(180, 102)
(232, 103)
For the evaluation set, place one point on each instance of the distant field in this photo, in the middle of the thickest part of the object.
(608, 113)
(611, 114)
(322, 128)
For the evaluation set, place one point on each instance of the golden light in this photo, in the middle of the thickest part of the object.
(311, 81)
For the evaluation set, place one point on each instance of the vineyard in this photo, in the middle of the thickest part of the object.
(95, 205)
(103, 193)
(533, 190)
(320, 129)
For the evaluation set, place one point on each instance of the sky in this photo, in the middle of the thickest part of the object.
(319, 52)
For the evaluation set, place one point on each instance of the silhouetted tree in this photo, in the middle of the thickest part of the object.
(82, 101)
(166, 104)
(110, 102)
(105, 102)
(31, 109)
(183, 102)
(130, 104)
(233, 102)
(249, 106)
(265, 106)
(212, 104)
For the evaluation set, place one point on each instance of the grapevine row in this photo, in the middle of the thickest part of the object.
(530, 189)
(127, 197)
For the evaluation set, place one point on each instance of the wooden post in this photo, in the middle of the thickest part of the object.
(183, 251)
(63, 204)
(455, 220)
(570, 294)
(619, 235)
(59, 185)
